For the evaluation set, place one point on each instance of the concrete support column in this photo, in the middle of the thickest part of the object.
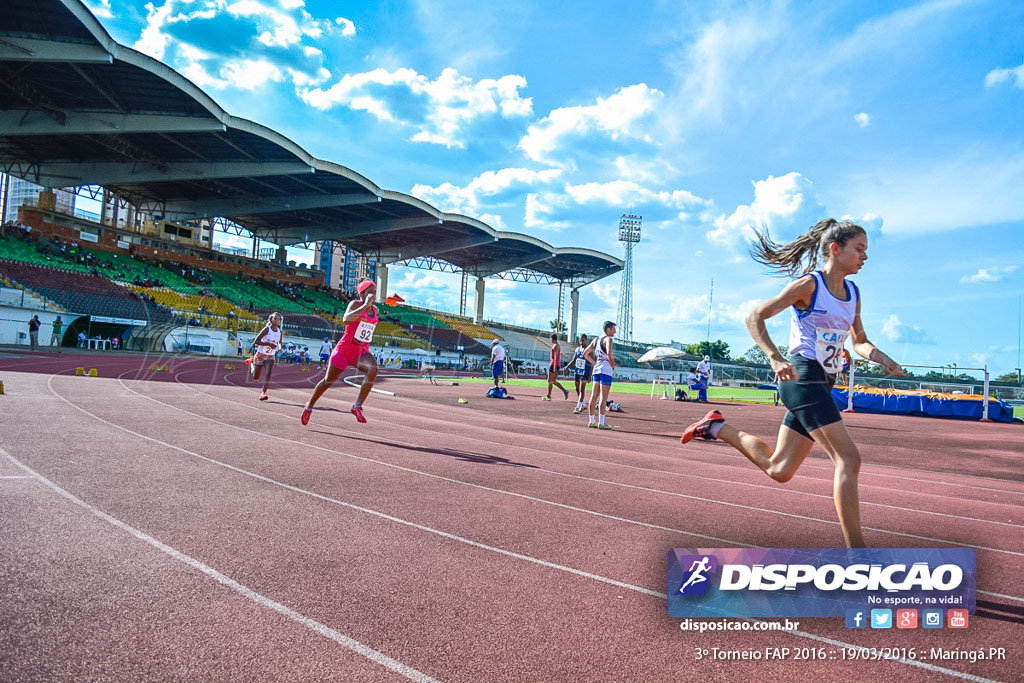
(382, 281)
(282, 254)
(479, 317)
(574, 314)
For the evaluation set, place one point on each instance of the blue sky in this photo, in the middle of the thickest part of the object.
(553, 119)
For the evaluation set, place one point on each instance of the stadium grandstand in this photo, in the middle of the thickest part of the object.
(88, 114)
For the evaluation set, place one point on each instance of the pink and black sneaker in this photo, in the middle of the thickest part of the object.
(263, 396)
(702, 429)
(306, 414)
(358, 412)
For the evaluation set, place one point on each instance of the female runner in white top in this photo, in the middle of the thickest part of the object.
(265, 347)
(826, 310)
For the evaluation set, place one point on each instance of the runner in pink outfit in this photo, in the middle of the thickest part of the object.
(352, 349)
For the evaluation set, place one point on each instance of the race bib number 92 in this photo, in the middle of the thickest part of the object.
(364, 333)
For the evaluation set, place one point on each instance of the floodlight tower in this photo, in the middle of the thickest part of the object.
(629, 234)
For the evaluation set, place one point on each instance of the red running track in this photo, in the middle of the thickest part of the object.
(169, 525)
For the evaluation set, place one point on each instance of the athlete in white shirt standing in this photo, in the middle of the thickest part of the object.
(825, 312)
(497, 360)
(325, 353)
(601, 354)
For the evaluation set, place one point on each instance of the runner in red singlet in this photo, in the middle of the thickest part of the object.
(353, 349)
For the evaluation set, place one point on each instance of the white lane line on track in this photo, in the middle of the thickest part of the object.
(718, 480)
(633, 486)
(501, 491)
(479, 486)
(262, 600)
(484, 546)
(16, 476)
(865, 471)
(805, 477)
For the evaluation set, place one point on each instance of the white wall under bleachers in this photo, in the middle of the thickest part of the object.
(14, 324)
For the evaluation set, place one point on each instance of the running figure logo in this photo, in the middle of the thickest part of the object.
(696, 581)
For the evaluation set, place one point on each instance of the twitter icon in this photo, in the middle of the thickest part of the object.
(881, 618)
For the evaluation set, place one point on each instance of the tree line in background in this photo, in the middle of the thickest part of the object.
(719, 351)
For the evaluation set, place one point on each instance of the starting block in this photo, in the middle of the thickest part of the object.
(229, 366)
(93, 372)
(79, 372)
(305, 368)
(159, 368)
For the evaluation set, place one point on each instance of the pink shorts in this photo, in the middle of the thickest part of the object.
(344, 356)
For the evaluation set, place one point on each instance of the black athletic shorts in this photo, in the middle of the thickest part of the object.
(809, 399)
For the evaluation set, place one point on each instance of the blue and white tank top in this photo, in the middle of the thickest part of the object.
(580, 364)
(820, 332)
(603, 365)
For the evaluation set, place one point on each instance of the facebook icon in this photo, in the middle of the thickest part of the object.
(856, 618)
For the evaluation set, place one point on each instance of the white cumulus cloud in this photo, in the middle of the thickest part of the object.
(785, 205)
(862, 119)
(613, 117)
(896, 330)
(994, 274)
(101, 9)
(256, 41)
(438, 110)
(470, 198)
(997, 76)
(541, 208)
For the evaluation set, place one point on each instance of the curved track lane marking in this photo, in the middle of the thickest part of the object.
(803, 477)
(519, 495)
(476, 544)
(807, 465)
(826, 469)
(651, 470)
(260, 599)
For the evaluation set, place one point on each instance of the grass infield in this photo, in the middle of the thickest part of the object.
(634, 388)
(641, 389)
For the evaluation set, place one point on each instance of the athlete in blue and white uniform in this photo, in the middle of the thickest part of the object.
(826, 312)
(582, 370)
(600, 352)
(325, 353)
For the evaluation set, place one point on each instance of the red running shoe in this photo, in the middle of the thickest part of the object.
(306, 414)
(702, 429)
(358, 412)
(248, 361)
(263, 396)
